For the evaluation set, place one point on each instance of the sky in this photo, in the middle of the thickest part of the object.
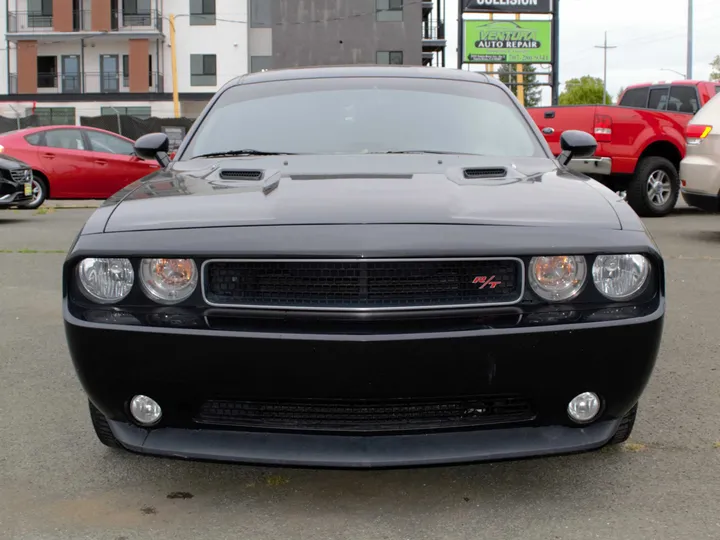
(650, 35)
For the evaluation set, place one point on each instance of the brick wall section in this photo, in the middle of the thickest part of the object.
(139, 65)
(27, 67)
(100, 15)
(62, 15)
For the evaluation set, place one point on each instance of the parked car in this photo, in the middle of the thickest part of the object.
(641, 141)
(700, 170)
(377, 294)
(15, 182)
(74, 162)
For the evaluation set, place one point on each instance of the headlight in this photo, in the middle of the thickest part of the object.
(105, 281)
(168, 281)
(557, 278)
(620, 277)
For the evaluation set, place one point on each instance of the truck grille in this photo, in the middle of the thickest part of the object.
(363, 284)
(368, 416)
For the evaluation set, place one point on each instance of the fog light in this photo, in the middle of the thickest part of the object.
(584, 408)
(145, 410)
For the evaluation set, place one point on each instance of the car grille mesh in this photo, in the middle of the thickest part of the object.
(367, 416)
(19, 175)
(363, 284)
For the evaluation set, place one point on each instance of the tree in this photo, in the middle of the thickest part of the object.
(586, 90)
(715, 65)
(533, 94)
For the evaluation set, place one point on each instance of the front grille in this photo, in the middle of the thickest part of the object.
(363, 284)
(367, 416)
(19, 175)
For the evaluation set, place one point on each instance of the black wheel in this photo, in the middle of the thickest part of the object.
(102, 428)
(655, 187)
(40, 193)
(625, 428)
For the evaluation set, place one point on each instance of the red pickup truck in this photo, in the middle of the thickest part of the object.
(641, 141)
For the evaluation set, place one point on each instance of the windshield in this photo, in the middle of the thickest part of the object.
(365, 115)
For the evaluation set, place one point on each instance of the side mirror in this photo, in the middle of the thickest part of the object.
(154, 146)
(576, 144)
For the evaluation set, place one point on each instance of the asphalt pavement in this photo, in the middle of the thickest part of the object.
(58, 482)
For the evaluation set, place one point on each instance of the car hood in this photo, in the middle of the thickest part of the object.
(370, 189)
(9, 163)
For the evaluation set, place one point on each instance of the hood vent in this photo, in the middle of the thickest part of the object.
(497, 172)
(239, 174)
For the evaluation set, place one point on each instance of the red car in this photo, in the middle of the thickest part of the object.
(74, 162)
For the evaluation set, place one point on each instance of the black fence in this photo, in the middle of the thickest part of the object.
(12, 124)
(133, 127)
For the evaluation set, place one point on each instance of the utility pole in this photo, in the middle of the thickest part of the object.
(690, 40)
(605, 47)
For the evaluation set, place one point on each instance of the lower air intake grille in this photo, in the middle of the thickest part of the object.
(368, 416)
(363, 284)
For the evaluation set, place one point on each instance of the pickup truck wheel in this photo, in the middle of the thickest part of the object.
(655, 188)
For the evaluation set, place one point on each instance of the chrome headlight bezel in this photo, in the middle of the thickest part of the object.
(640, 286)
(573, 287)
(85, 286)
(170, 296)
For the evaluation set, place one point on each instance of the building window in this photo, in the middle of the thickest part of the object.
(40, 13)
(260, 63)
(389, 10)
(126, 71)
(203, 70)
(390, 57)
(136, 13)
(202, 12)
(47, 71)
(54, 116)
(260, 13)
(138, 112)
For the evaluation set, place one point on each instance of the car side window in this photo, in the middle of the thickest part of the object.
(68, 139)
(658, 98)
(684, 99)
(34, 139)
(635, 97)
(102, 142)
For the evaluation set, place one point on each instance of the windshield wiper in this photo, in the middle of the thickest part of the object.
(424, 152)
(245, 152)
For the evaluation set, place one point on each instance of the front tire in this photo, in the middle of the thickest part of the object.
(40, 193)
(625, 428)
(102, 428)
(655, 187)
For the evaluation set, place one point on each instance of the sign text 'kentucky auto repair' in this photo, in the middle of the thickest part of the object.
(507, 6)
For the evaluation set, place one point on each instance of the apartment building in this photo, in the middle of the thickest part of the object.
(70, 58)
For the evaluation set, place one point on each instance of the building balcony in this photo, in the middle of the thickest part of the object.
(433, 35)
(35, 25)
(427, 6)
(88, 83)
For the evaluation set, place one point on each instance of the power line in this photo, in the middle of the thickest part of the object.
(605, 48)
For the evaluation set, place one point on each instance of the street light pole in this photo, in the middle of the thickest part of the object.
(690, 40)
(605, 47)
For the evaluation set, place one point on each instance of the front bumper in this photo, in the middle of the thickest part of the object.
(15, 199)
(183, 368)
(703, 201)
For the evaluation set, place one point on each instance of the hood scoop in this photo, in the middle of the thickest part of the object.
(240, 174)
(490, 172)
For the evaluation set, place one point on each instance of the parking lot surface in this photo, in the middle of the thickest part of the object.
(57, 481)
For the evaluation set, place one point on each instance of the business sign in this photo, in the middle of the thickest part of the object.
(508, 42)
(507, 6)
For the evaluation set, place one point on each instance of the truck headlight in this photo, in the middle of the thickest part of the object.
(557, 278)
(620, 277)
(168, 281)
(105, 281)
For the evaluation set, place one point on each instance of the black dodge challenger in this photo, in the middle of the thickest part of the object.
(363, 267)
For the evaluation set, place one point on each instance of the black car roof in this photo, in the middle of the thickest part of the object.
(325, 72)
